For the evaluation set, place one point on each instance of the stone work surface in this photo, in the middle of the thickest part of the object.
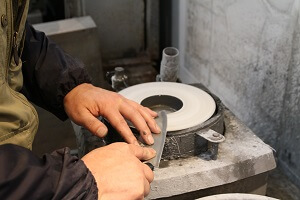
(241, 156)
(247, 53)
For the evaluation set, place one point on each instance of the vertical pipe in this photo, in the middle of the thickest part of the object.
(169, 65)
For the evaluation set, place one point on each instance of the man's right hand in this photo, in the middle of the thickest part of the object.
(118, 171)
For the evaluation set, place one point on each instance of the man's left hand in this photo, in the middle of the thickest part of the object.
(86, 102)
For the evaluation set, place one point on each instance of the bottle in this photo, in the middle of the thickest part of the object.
(119, 79)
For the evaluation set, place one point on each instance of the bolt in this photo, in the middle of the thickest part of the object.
(216, 134)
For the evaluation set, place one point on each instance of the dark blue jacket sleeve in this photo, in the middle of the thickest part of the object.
(55, 176)
(49, 73)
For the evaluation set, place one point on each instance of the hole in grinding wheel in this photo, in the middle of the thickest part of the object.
(163, 102)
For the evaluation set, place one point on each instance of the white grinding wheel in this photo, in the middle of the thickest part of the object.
(197, 105)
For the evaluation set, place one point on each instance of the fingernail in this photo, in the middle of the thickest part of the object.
(157, 128)
(101, 132)
(150, 139)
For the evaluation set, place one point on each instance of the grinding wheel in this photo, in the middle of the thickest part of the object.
(188, 106)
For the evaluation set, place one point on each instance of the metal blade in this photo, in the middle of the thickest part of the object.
(159, 139)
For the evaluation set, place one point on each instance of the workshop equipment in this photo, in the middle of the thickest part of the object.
(217, 155)
(207, 149)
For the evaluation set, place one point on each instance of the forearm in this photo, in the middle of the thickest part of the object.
(49, 73)
(55, 176)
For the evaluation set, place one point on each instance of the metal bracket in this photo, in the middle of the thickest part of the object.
(213, 138)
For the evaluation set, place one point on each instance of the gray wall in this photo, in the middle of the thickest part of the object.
(248, 53)
(120, 26)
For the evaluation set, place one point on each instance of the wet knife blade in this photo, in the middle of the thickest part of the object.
(159, 139)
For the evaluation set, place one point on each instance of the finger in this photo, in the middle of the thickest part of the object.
(139, 106)
(144, 111)
(119, 123)
(152, 113)
(93, 124)
(146, 187)
(150, 121)
(138, 121)
(148, 173)
(142, 153)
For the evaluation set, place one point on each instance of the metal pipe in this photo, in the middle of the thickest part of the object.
(169, 65)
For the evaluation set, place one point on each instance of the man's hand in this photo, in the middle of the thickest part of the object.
(118, 171)
(85, 103)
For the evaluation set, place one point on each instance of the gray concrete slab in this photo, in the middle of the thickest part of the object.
(66, 26)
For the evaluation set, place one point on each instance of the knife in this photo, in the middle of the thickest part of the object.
(159, 139)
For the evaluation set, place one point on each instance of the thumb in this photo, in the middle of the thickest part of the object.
(93, 124)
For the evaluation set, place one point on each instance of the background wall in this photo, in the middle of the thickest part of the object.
(120, 25)
(248, 53)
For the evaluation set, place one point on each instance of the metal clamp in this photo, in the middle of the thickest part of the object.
(213, 138)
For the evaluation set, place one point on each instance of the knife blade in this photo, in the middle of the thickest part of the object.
(159, 139)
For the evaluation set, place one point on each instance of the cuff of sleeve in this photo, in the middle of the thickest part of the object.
(75, 181)
(71, 78)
